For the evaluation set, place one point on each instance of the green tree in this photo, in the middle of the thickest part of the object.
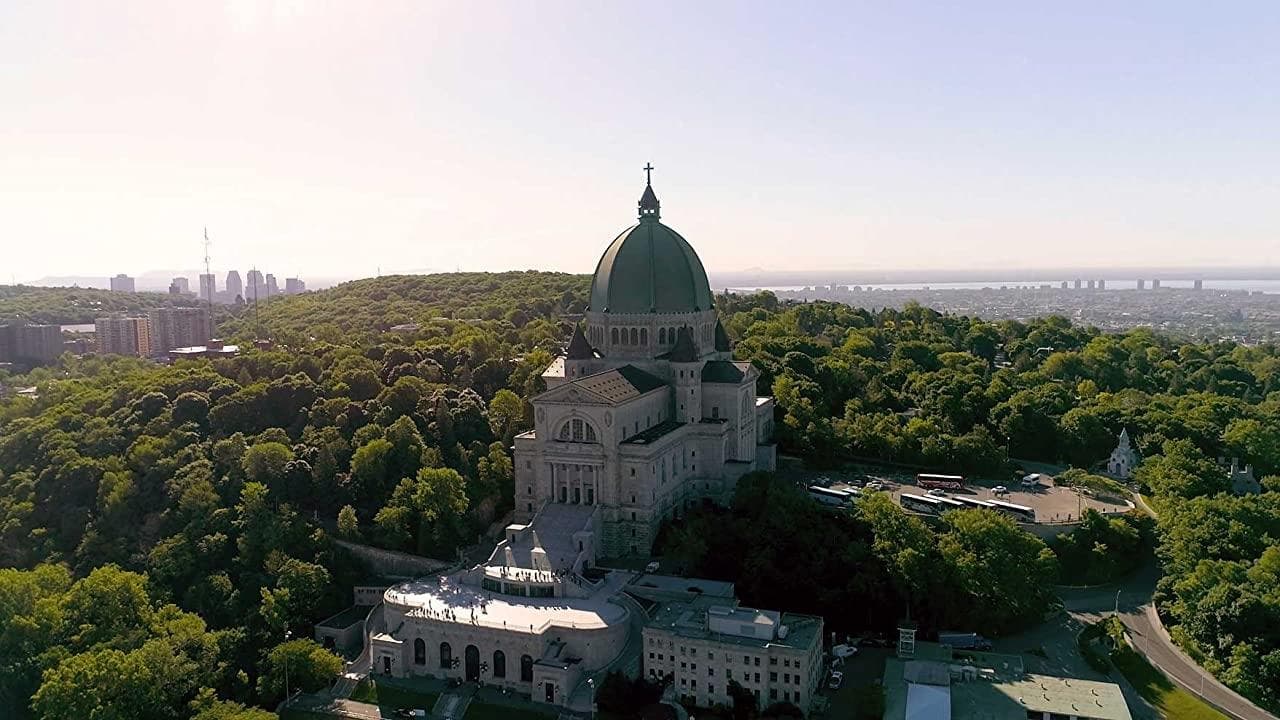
(310, 668)
(348, 524)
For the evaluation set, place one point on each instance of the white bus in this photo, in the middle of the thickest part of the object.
(975, 503)
(932, 481)
(930, 505)
(1022, 513)
(836, 498)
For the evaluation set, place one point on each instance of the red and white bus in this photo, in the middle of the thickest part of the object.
(930, 481)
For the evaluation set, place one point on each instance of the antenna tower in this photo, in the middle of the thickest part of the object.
(207, 280)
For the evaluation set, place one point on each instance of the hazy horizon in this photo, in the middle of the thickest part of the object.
(322, 139)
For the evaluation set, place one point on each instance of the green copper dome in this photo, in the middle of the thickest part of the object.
(650, 268)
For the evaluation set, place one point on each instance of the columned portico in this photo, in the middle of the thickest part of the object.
(575, 482)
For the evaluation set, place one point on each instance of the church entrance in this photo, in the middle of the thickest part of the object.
(472, 654)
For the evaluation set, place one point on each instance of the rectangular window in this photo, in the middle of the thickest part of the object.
(786, 663)
(711, 672)
(773, 677)
(693, 684)
(773, 694)
(757, 677)
(711, 689)
(773, 661)
(746, 660)
(757, 662)
(786, 678)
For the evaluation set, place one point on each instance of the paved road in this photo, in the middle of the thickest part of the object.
(1150, 639)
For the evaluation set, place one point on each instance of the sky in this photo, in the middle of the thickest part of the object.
(351, 138)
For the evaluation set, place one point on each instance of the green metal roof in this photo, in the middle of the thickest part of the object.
(650, 268)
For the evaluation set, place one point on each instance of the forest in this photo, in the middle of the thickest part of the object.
(154, 518)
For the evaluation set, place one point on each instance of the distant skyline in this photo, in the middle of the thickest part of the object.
(330, 139)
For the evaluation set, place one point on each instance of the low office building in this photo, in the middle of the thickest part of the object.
(938, 683)
(705, 643)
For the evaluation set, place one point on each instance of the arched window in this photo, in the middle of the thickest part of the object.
(635, 336)
(662, 336)
(499, 664)
(419, 652)
(526, 668)
(671, 335)
(446, 656)
(644, 336)
(613, 334)
(577, 430)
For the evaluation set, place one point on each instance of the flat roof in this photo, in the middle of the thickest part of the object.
(648, 435)
(688, 619)
(992, 686)
(1011, 699)
(448, 599)
(673, 583)
(346, 618)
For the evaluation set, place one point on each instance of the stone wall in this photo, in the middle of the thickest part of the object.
(390, 563)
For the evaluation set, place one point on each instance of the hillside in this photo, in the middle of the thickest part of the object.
(75, 305)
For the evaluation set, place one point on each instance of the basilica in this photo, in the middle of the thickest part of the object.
(647, 412)
(645, 415)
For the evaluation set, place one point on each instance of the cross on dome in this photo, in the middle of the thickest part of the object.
(649, 206)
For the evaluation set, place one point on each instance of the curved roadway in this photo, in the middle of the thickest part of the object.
(1133, 599)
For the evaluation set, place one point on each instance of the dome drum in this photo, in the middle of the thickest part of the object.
(647, 335)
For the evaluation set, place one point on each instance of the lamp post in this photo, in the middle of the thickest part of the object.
(287, 634)
(1117, 611)
(591, 683)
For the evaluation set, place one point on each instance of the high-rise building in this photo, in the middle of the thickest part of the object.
(1102, 284)
(180, 286)
(30, 344)
(255, 287)
(1091, 284)
(235, 288)
(208, 287)
(178, 327)
(1064, 284)
(272, 287)
(123, 336)
(122, 283)
(1077, 284)
(1197, 285)
(1142, 284)
(293, 286)
(1155, 284)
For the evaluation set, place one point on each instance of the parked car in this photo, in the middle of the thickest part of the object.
(937, 492)
(651, 567)
(836, 680)
(999, 490)
(1032, 480)
(875, 485)
(844, 651)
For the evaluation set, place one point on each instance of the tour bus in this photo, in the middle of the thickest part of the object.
(929, 481)
(1021, 513)
(827, 496)
(930, 505)
(974, 502)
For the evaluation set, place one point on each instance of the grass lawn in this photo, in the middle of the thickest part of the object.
(390, 696)
(1174, 702)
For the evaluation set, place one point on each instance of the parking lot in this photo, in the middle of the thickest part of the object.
(864, 669)
(1052, 504)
